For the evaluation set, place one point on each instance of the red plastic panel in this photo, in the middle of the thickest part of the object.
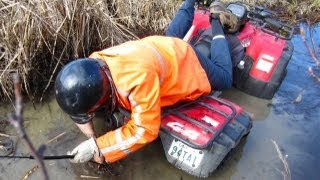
(186, 130)
(246, 34)
(211, 119)
(264, 49)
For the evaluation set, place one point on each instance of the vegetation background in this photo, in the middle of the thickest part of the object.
(37, 37)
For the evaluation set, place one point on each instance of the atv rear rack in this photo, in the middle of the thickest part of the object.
(174, 111)
(220, 126)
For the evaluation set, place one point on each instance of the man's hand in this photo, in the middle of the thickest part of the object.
(99, 159)
(85, 151)
(228, 20)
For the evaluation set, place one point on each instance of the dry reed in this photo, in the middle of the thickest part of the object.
(291, 11)
(37, 37)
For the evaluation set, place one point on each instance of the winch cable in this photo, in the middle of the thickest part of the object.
(43, 157)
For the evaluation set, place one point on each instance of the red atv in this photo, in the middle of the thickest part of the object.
(266, 42)
(197, 136)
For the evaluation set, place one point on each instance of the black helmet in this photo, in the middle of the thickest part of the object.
(81, 87)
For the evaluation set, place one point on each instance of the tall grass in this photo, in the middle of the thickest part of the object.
(292, 11)
(37, 37)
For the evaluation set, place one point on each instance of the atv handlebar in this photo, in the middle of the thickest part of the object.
(261, 17)
(268, 21)
(284, 31)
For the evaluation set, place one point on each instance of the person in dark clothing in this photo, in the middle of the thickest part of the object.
(219, 66)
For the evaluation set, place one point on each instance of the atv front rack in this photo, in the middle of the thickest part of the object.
(266, 20)
(175, 111)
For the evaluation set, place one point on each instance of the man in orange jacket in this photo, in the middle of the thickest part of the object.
(142, 76)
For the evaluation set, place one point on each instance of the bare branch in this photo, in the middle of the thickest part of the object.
(56, 137)
(4, 135)
(312, 74)
(314, 47)
(312, 54)
(286, 173)
(16, 120)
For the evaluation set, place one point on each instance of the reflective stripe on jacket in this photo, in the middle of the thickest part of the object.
(149, 74)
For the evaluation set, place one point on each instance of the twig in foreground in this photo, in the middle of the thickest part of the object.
(16, 120)
(56, 137)
(312, 74)
(4, 135)
(89, 177)
(32, 170)
(287, 173)
(312, 54)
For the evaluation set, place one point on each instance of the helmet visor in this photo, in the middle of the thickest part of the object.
(82, 118)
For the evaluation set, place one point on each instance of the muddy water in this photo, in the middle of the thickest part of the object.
(293, 123)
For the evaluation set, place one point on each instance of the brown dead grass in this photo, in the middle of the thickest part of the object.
(291, 11)
(37, 37)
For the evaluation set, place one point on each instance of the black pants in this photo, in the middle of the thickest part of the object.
(219, 66)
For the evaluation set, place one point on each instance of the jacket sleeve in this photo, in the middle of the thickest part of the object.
(143, 127)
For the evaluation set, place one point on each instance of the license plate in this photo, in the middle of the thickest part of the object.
(187, 155)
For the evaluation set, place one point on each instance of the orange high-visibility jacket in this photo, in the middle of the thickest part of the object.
(149, 74)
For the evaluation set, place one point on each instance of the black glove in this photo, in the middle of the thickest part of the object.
(228, 20)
